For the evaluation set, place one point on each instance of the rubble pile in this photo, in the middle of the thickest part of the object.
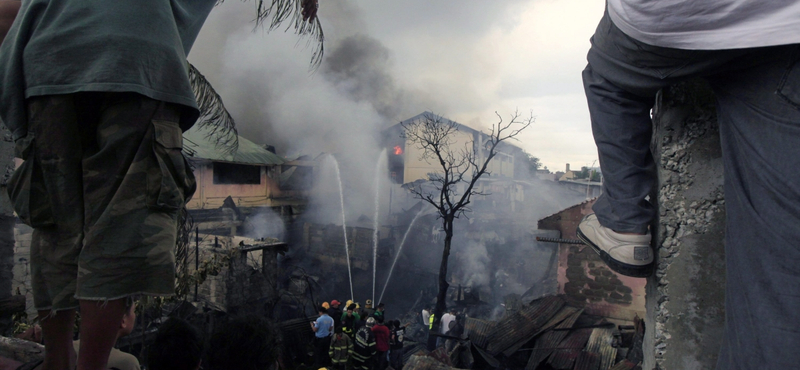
(545, 334)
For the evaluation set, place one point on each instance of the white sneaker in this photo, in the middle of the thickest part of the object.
(629, 255)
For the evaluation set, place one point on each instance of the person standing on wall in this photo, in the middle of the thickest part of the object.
(749, 53)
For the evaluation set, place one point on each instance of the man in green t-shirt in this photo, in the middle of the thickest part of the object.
(96, 94)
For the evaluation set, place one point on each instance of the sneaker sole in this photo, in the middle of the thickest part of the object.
(638, 271)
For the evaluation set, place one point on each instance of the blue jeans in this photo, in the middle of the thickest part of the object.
(757, 92)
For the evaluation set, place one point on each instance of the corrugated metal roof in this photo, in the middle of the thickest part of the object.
(493, 363)
(600, 343)
(555, 319)
(522, 324)
(623, 365)
(197, 144)
(569, 349)
(476, 330)
(549, 341)
(588, 361)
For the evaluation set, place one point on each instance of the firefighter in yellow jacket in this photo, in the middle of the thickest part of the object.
(341, 349)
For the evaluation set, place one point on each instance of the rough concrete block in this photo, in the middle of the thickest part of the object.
(685, 297)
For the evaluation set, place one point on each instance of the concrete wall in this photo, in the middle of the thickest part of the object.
(585, 279)
(685, 297)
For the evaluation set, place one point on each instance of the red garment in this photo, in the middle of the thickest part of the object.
(381, 333)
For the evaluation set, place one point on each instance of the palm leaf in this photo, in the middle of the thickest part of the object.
(275, 12)
(214, 119)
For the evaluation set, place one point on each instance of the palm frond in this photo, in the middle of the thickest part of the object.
(214, 119)
(275, 12)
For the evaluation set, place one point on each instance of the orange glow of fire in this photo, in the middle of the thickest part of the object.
(398, 150)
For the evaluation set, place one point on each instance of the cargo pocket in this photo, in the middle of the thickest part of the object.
(789, 87)
(171, 183)
(26, 187)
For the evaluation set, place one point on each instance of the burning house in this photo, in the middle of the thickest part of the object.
(406, 164)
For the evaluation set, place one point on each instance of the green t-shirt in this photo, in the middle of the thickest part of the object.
(67, 46)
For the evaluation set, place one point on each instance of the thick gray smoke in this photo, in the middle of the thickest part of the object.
(360, 65)
(340, 110)
(474, 263)
(265, 224)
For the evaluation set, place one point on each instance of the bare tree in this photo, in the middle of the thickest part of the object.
(451, 188)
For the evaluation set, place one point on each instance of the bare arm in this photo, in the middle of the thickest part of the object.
(8, 11)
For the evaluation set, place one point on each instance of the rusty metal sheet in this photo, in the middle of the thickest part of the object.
(569, 349)
(549, 341)
(461, 355)
(588, 361)
(600, 343)
(557, 318)
(623, 365)
(476, 330)
(522, 324)
(493, 363)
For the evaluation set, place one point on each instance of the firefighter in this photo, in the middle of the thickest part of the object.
(341, 349)
(350, 321)
(364, 353)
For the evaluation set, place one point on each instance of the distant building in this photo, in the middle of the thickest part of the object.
(545, 174)
(567, 175)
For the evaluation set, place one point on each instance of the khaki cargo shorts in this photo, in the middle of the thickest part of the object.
(102, 184)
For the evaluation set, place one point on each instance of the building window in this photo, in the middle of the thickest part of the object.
(230, 174)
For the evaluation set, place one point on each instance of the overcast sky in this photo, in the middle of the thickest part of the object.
(390, 60)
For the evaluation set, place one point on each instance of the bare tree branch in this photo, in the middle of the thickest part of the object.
(435, 137)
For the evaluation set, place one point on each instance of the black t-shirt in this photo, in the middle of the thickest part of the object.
(397, 338)
(336, 314)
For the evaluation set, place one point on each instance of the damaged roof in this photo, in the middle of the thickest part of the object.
(548, 333)
(523, 324)
(476, 330)
(549, 341)
(198, 144)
